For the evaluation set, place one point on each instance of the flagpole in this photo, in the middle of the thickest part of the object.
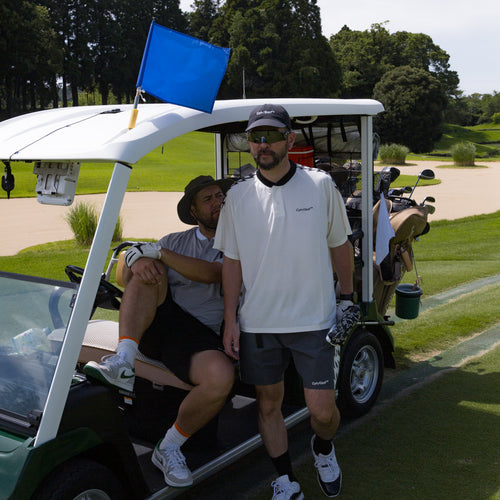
(135, 111)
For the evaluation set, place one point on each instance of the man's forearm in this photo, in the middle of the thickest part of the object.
(342, 257)
(231, 285)
(191, 268)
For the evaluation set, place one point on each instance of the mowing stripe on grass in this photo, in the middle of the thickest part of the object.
(451, 358)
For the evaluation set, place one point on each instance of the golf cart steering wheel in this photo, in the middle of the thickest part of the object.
(107, 294)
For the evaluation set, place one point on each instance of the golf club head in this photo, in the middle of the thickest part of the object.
(395, 192)
(392, 173)
(426, 174)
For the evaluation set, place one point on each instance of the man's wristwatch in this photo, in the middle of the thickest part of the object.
(346, 296)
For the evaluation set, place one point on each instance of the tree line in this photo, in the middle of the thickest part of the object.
(55, 53)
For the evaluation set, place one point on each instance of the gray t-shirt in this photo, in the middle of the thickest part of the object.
(203, 301)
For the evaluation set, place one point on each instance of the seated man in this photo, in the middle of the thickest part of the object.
(172, 309)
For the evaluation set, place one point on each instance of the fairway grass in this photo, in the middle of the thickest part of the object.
(441, 442)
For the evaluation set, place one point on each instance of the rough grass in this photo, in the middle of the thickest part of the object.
(481, 136)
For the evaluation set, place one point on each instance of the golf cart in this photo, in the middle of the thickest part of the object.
(62, 435)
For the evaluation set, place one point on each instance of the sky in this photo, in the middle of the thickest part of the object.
(466, 30)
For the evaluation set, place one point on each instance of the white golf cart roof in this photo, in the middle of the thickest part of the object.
(101, 134)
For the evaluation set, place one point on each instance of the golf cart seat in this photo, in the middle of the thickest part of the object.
(101, 339)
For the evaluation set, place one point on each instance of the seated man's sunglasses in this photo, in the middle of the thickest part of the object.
(269, 136)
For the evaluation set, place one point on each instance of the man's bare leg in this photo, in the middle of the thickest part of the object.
(212, 374)
(137, 311)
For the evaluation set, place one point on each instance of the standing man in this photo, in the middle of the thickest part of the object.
(279, 230)
(172, 309)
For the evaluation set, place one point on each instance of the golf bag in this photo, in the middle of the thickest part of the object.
(407, 224)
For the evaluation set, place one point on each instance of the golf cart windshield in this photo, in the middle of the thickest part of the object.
(34, 314)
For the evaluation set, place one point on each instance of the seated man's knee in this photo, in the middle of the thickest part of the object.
(156, 292)
(213, 370)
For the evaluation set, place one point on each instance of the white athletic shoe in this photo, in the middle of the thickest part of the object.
(113, 370)
(284, 489)
(172, 463)
(329, 473)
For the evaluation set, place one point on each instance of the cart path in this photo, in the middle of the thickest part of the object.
(25, 222)
(462, 192)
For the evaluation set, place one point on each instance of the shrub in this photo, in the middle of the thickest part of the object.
(394, 154)
(496, 118)
(82, 218)
(118, 232)
(463, 154)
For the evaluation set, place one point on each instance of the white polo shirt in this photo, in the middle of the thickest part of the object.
(281, 233)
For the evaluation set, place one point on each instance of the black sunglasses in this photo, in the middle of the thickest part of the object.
(269, 136)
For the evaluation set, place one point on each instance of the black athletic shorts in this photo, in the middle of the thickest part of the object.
(174, 336)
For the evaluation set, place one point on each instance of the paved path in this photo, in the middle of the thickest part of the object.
(462, 192)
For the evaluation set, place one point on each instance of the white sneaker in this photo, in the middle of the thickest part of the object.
(172, 462)
(112, 370)
(284, 489)
(329, 473)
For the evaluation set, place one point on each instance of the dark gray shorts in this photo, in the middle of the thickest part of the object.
(264, 358)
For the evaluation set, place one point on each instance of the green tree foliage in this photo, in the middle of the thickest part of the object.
(203, 17)
(473, 109)
(30, 57)
(489, 105)
(71, 20)
(414, 101)
(54, 50)
(279, 46)
(365, 56)
(52, 45)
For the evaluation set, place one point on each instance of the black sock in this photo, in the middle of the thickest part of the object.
(322, 446)
(283, 465)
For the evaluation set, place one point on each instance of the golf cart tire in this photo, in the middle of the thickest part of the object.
(81, 479)
(361, 374)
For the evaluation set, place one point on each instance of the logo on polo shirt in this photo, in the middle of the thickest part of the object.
(306, 209)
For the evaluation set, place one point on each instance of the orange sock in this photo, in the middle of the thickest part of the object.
(176, 425)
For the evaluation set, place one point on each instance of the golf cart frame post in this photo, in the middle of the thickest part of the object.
(84, 302)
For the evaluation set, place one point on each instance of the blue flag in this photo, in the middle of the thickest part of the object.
(180, 69)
